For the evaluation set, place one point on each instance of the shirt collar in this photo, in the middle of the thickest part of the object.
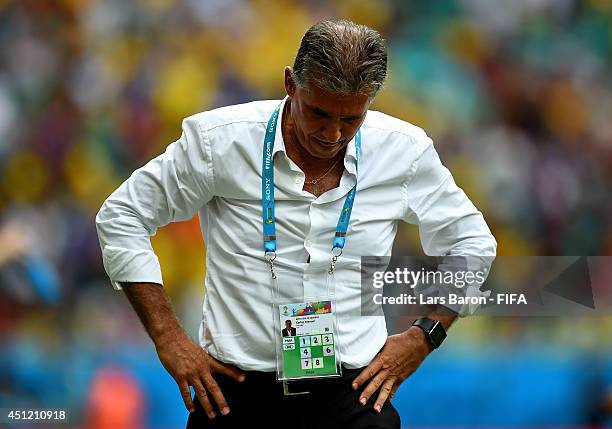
(350, 156)
(279, 143)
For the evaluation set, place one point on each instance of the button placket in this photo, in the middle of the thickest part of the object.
(310, 287)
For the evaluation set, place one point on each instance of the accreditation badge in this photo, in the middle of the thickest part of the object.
(307, 340)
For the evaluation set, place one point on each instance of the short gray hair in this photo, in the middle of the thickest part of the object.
(342, 57)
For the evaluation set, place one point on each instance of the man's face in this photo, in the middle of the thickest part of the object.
(288, 324)
(324, 122)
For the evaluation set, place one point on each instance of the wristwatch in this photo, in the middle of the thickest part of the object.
(434, 331)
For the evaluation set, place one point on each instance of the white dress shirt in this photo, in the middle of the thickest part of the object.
(215, 168)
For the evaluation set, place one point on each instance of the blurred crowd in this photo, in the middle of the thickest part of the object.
(517, 96)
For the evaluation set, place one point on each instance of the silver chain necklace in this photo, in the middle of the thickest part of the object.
(318, 179)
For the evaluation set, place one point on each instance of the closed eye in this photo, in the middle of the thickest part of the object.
(320, 113)
(323, 114)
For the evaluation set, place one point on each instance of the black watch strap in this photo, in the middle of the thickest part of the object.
(433, 330)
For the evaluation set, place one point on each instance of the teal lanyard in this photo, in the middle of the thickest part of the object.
(267, 198)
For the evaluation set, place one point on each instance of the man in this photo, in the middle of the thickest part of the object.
(217, 168)
(288, 330)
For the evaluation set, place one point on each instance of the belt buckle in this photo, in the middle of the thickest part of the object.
(286, 391)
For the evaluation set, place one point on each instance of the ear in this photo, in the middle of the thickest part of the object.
(290, 85)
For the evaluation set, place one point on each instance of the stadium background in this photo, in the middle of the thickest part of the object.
(516, 95)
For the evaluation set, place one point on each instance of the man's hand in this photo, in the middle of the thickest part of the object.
(186, 362)
(401, 355)
(190, 365)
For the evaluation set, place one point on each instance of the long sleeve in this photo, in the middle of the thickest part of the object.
(449, 224)
(170, 187)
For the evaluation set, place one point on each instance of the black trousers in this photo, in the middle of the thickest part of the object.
(260, 402)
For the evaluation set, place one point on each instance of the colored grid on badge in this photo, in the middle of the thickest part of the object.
(313, 355)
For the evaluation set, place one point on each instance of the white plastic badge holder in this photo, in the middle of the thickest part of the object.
(305, 331)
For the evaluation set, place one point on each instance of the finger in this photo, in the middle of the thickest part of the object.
(186, 394)
(215, 391)
(372, 387)
(202, 396)
(367, 373)
(229, 370)
(385, 392)
(393, 390)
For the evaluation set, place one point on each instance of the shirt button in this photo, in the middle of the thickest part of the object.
(298, 180)
(308, 243)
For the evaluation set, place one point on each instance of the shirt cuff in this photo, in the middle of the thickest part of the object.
(131, 266)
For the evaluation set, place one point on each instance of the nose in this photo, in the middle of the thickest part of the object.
(331, 132)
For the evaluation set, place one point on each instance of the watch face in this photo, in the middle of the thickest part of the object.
(437, 334)
(434, 329)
